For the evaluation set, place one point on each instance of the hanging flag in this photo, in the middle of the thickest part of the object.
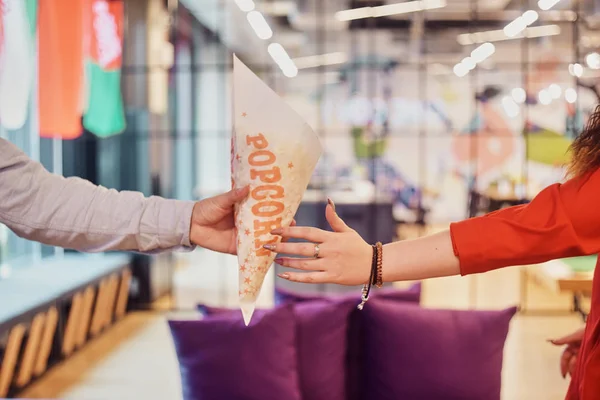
(60, 32)
(104, 115)
(87, 40)
(31, 7)
(16, 71)
(1, 30)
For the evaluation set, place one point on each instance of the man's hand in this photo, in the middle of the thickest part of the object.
(568, 360)
(213, 224)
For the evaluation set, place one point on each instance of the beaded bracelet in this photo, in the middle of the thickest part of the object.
(379, 278)
(375, 277)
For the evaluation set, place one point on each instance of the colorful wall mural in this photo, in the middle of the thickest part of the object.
(426, 141)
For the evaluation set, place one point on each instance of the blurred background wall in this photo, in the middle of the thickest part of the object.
(425, 112)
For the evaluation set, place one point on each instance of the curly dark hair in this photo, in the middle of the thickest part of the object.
(585, 149)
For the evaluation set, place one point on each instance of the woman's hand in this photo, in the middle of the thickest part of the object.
(568, 359)
(343, 257)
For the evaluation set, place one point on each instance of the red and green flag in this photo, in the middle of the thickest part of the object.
(104, 115)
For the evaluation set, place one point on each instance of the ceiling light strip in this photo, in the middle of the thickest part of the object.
(467, 39)
(389, 9)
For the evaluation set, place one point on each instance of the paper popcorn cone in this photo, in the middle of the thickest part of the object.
(274, 151)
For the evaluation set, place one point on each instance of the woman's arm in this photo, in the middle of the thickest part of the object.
(427, 257)
(73, 213)
(562, 221)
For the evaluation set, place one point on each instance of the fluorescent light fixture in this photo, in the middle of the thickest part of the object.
(469, 63)
(518, 25)
(545, 97)
(515, 27)
(460, 70)
(407, 7)
(510, 107)
(519, 95)
(541, 31)
(290, 72)
(283, 60)
(319, 60)
(576, 70)
(478, 55)
(547, 4)
(593, 60)
(555, 91)
(530, 17)
(354, 13)
(482, 52)
(245, 5)
(571, 95)
(259, 24)
(467, 39)
(389, 9)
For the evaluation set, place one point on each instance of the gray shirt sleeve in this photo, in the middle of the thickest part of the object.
(74, 213)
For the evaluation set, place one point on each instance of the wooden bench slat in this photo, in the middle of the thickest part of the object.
(123, 297)
(46, 344)
(111, 298)
(68, 344)
(96, 325)
(11, 356)
(86, 315)
(31, 350)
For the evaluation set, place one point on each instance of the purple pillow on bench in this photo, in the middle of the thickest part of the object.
(321, 338)
(352, 342)
(220, 358)
(412, 294)
(416, 353)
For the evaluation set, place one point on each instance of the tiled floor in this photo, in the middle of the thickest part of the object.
(135, 359)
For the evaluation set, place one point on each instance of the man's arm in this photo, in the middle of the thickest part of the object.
(74, 213)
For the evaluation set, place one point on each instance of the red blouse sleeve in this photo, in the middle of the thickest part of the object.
(561, 221)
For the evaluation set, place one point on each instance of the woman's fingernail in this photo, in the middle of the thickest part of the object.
(284, 275)
(277, 231)
(278, 261)
(269, 247)
(331, 203)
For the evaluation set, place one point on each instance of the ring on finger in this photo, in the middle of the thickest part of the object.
(317, 251)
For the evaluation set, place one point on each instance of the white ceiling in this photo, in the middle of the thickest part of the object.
(312, 29)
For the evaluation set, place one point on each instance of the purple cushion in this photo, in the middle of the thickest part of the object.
(220, 358)
(412, 294)
(322, 337)
(322, 332)
(210, 310)
(354, 366)
(353, 325)
(416, 353)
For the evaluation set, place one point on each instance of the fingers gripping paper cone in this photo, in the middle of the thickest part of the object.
(274, 151)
